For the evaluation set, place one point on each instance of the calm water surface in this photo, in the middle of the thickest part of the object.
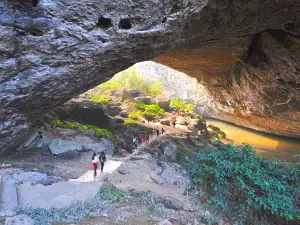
(265, 145)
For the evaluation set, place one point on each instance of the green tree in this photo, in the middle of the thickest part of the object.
(177, 102)
(189, 107)
(156, 88)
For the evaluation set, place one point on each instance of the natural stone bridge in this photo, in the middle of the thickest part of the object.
(245, 52)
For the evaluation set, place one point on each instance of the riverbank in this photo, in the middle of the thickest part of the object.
(266, 145)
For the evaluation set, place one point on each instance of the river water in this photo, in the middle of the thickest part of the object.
(265, 145)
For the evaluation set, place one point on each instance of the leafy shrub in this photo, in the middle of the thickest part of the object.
(179, 103)
(98, 131)
(189, 107)
(58, 122)
(100, 99)
(72, 125)
(112, 194)
(242, 183)
(156, 88)
(153, 108)
(135, 115)
(130, 121)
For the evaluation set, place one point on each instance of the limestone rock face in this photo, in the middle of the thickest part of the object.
(57, 49)
(59, 146)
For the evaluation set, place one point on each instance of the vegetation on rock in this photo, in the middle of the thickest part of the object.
(130, 121)
(244, 184)
(99, 99)
(74, 125)
(179, 103)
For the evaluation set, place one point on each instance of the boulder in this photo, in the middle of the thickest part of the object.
(19, 220)
(157, 179)
(121, 94)
(165, 122)
(87, 143)
(215, 132)
(167, 173)
(59, 146)
(163, 101)
(184, 121)
(123, 169)
(143, 99)
(124, 114)
(169, 148)
(172, 203)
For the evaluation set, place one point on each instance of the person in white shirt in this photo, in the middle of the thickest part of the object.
(95, 161)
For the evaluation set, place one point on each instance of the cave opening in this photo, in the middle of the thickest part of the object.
(34, 32)
(125, 24)
(104, 23)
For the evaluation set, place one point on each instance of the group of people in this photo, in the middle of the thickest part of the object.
(96, 160)
(162, 131)
(140, 140)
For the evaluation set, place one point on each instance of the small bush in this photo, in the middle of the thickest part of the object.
(179, 103)
(112, 194)
(98, 131)
(242, 183)
(58, 122)
(135, 115)
(99, 99)
(130, 121)
(151, 108)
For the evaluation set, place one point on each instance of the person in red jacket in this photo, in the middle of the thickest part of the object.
(140, 140)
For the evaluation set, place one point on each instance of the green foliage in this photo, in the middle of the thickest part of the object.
(242, 183)
(112, 194)
(99, 99)
(130, 121)
(179, 103)
(151, 111)
(131, 79)
(135, 115)
(189, 107)
(58, 122)
(156, 88)
(75, 125)
(72, 125)
(151, 108)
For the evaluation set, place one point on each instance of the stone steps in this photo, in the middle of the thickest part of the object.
(57, 195)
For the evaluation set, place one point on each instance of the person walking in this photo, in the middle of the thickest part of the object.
(95, 163)
(157, 132)
(140, 140)
(136, 142)
(102, 159)
(162, 131)
(147, 138)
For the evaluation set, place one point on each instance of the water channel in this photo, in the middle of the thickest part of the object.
(266, 145)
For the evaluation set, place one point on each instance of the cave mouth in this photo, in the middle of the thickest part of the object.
(34, 32)
(104, 23)
(125, 24)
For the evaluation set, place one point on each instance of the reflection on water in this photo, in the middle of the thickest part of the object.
(265, 145)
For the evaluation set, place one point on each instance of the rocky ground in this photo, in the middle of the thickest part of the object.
(149, 188)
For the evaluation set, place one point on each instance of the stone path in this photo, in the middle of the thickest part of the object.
(57, 195)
